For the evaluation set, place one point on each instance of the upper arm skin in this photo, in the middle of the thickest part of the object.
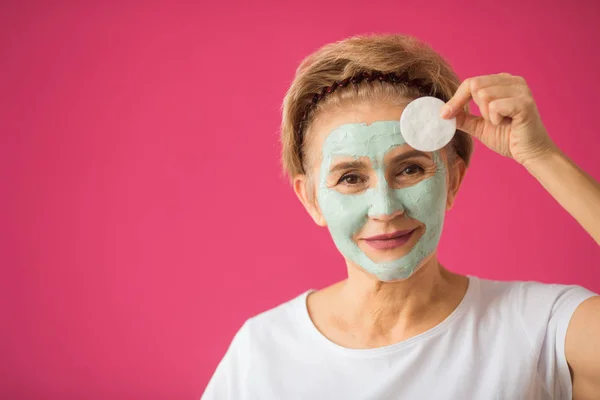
(582, 349)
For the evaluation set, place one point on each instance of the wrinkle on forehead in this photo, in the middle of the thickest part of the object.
(329, 117)
(362, 140)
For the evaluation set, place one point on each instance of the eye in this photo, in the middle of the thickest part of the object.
(351, 179)
(413, 170)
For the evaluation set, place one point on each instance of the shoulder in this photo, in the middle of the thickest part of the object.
(256, 343)
(543, 313)
(541, 309)
(531, 305)
(546, 301)
(529, 295)
(278, 323)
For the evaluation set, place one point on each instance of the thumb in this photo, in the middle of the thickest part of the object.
(471, 124)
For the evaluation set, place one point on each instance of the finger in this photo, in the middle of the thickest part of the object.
(461, 98)
(511, 107)
(495, 92)
(484, 81)
(470, 86)
(484, 96)
(470, 124)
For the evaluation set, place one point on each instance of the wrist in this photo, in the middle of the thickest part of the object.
(543, 159)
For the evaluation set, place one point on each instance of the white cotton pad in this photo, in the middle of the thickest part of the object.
(422, 126)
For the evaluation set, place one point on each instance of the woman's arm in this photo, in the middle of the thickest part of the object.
(575, 190)
(582, 349)
(511, 125)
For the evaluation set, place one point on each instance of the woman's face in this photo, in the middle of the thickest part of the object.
(368, 182)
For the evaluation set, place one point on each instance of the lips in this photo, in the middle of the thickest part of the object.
(390, 240)
(390, 235)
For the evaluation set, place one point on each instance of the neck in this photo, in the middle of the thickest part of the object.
(390, 311)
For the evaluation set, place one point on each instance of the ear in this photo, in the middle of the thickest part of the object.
(304, 189)
(456, 175)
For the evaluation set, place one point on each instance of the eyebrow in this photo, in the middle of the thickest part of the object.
(348, 165)
(357, 164)
(409, 154)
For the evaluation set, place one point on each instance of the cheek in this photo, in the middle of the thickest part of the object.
(343, 213)
(425, 200)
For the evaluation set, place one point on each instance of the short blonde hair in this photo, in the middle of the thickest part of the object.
(423, 72)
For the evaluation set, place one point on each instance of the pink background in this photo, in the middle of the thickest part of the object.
(143, 214)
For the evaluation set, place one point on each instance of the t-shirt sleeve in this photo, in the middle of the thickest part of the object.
(226, 380)
(546, 311)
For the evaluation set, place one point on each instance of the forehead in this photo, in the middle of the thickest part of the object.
(360, 139)
(357, 113)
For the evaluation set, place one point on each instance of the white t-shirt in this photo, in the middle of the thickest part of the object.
(505, 340)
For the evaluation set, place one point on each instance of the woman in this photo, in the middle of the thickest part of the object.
(401, 326)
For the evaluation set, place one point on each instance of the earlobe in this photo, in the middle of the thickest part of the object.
(450, 197)
(305, 192)
(456, 176)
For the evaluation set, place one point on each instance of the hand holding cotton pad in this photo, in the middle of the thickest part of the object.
(422, 126)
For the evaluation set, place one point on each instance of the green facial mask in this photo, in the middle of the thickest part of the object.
(345, 214)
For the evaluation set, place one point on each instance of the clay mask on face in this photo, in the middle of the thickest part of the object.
(345, 214)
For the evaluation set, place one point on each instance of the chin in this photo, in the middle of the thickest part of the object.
(378, 256)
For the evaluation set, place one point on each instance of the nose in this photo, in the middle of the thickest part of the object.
(386, 217)
(385, 206)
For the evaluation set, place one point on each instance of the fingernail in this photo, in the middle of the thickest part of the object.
(446, 111)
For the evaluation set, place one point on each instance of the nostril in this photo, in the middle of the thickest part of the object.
(387, 216)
